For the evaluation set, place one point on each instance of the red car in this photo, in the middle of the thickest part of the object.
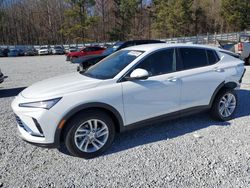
(90, 50)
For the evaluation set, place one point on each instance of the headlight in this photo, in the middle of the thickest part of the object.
(47, 104)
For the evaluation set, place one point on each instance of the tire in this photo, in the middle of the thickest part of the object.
(80, 124)
(222, 101)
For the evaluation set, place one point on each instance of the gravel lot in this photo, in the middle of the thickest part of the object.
(189, 152)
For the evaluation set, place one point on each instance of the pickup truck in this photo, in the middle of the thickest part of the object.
(241, 47)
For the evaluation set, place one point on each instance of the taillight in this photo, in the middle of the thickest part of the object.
(240, 46)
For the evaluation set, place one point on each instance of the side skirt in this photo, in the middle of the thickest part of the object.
(166, 117)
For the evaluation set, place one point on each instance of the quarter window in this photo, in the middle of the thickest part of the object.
(193, 57)
(160, 62)
(212, 57)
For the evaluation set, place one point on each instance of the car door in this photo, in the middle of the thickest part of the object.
(200, 77)
(159, 94)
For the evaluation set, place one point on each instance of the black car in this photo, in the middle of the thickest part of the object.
(87, 61)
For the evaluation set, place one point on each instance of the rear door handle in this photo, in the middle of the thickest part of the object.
(218, 69)
(172, 79)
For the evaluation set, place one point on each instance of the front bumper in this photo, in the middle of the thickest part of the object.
(58, 52)
(1, 78)
(67, 58)
(43, 53)
(35, 125)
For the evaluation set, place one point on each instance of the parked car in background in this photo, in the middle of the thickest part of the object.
(15, 52)
(57, 50)
(1, 53)
(133, 87)
(4, 52)
(70, 49)
(241, 47)
(1, 77)
(44, 50)
(30, 51)
(90, 50)
(87, 61)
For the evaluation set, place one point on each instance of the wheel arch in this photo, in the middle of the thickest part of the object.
(223, 85)
(114, 114)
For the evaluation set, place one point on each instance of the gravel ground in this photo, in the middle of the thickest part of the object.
(189, 152)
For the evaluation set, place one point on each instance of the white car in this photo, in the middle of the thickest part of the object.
(1, 77)
(71, 49)
(132, 87)
(44, 51)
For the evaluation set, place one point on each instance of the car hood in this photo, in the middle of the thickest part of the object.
(60, 85)
(43, 50)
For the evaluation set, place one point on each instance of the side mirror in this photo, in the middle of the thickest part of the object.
(138, 74)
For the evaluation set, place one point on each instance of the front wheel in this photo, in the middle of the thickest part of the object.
(224, 105)
(89, 134)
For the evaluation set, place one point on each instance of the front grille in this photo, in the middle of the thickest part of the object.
(19, 122)
(27, 129)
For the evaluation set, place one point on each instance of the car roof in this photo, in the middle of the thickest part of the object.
(152, 47)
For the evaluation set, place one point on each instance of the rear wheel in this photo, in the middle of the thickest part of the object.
(224, 105)
(89, 134)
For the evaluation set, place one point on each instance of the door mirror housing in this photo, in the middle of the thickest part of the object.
(138, 74)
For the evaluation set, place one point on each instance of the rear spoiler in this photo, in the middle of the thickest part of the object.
(224, 42)
(230, 53)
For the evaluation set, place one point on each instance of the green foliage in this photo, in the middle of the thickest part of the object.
(116, 34)
(236, 13)
(124, 11)
(173, 16)
(78, 19)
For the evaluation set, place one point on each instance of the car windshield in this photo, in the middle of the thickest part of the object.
(112, 48)
(43, 48)
(109, 67)
(58, 47)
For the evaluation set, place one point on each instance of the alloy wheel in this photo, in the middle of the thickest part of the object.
(227, 105)
(91, 135)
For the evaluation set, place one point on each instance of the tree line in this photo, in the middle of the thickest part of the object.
(77, 21)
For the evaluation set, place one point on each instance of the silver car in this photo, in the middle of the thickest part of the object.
(57, 50)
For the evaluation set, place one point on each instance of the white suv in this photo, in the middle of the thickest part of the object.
(132, 87)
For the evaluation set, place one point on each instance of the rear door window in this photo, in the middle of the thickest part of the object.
(193, 57)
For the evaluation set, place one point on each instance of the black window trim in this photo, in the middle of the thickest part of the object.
(122, 78)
